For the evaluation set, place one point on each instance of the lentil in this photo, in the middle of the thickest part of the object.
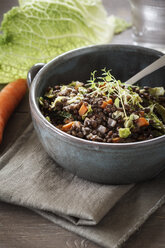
(61, 104)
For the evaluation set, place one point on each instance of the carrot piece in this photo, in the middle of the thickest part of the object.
(116, 140)
(105, 103)
(83, 109)
(141, 113)
(102, 85)
(110, 101)
(66, 121)
(141, 122)
(10, 96)
(67, 126)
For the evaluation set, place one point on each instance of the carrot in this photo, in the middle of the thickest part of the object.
(10, 96)
(83, 109)
(66, 121)
(141, 122)
(116, 140)
(110, 101)
(105, 103)
(141, 113)
(67, 126)
(102, 85)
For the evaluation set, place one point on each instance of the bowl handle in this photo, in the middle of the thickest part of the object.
(33, 72)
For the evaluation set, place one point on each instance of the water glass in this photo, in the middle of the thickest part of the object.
(148, 18)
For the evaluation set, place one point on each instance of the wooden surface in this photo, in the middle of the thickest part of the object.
(21, 228)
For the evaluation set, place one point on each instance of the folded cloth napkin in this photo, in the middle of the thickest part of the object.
(105, 214)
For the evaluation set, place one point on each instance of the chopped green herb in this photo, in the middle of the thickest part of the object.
(161, 110)
(48, 118)
(124, 132)
(65, 114)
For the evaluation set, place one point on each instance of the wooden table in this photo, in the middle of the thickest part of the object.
(21, 228)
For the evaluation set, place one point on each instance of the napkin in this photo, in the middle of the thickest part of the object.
(105, 214)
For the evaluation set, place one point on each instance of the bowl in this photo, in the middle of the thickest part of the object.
(107, 163)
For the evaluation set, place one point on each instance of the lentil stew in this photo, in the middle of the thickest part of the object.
(105, 109)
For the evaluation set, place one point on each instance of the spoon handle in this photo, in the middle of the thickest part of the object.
(149, 69)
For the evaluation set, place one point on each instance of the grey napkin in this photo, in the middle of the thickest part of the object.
(105, 214)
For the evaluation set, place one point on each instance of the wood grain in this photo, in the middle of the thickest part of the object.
(22, 228)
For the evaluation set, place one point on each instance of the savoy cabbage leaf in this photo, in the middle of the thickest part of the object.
(39, 30)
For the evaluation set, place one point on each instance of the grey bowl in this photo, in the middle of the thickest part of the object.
(94, 161)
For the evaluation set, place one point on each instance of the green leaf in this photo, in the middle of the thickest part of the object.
(41, 100)
(128, 123)
(117, 114)
(65, 114)
(48, 118)
(108, 78)
(117, 102)
(57, 99)
(50, 94)
(129, 120)
(156, 122)
(39, 30)
(161, 110)
(124, 132)
(119, 23)
(157, 91)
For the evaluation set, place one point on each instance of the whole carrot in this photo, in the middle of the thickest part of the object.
(10, 96)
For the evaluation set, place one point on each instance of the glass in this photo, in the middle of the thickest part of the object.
(148, 18)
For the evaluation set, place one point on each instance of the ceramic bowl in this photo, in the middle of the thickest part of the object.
(99, 162)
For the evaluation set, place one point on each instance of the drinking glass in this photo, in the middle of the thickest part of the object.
(148, 19)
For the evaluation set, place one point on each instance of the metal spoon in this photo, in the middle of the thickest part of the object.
(149, 69)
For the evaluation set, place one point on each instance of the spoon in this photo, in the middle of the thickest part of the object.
(149, 69)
